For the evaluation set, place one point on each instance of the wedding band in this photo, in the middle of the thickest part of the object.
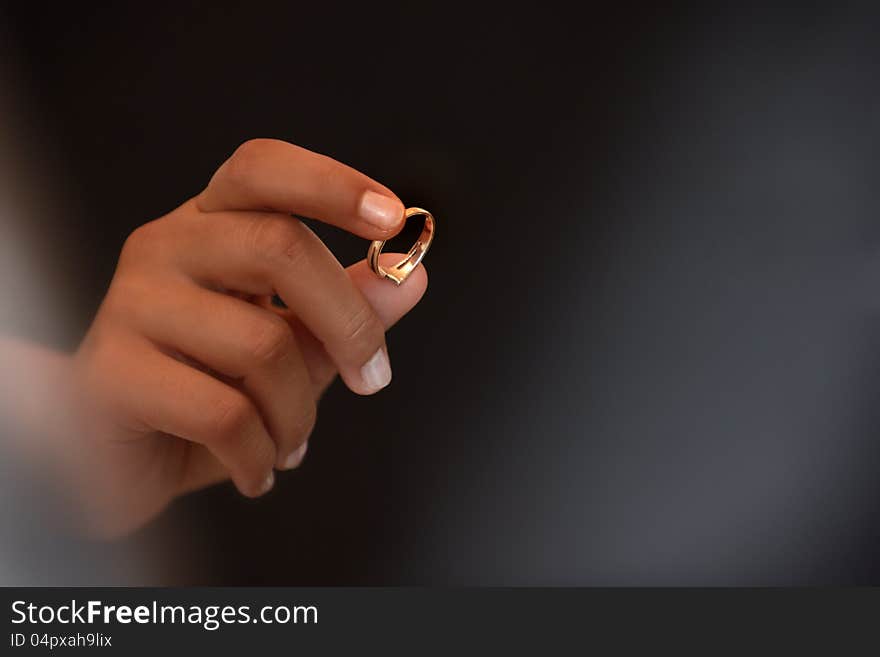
(399, 272)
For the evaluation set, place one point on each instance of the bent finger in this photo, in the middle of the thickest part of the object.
(389, 302)
(268, 174)
(240, 341)
(264, 254)
(171, 397)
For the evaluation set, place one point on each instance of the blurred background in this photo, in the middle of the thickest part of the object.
(649, 349)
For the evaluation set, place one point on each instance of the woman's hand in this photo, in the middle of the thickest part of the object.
(189, 375)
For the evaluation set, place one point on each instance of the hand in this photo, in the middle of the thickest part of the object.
(189, 375)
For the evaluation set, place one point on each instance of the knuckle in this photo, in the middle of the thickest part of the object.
(243, 161)
(253, 147)
(231, 417)
(271, 341)
(278, 240)
(362, 326)
(141, 240)
(127, 299)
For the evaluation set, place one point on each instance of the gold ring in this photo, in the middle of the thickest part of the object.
(399, 272)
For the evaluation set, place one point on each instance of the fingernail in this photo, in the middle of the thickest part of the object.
(296, 456)
(268, 483)
(382, 211)
(376, 374)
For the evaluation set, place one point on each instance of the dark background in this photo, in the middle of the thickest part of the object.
(648, 350)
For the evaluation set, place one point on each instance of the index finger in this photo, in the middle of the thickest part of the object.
(268, 174)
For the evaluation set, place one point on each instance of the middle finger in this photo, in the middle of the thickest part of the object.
(266, 253)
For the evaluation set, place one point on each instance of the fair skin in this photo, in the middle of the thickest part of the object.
(189, 375)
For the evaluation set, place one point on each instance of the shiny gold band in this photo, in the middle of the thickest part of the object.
(399, 272)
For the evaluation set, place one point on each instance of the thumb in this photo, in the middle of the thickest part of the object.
(390, 303)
